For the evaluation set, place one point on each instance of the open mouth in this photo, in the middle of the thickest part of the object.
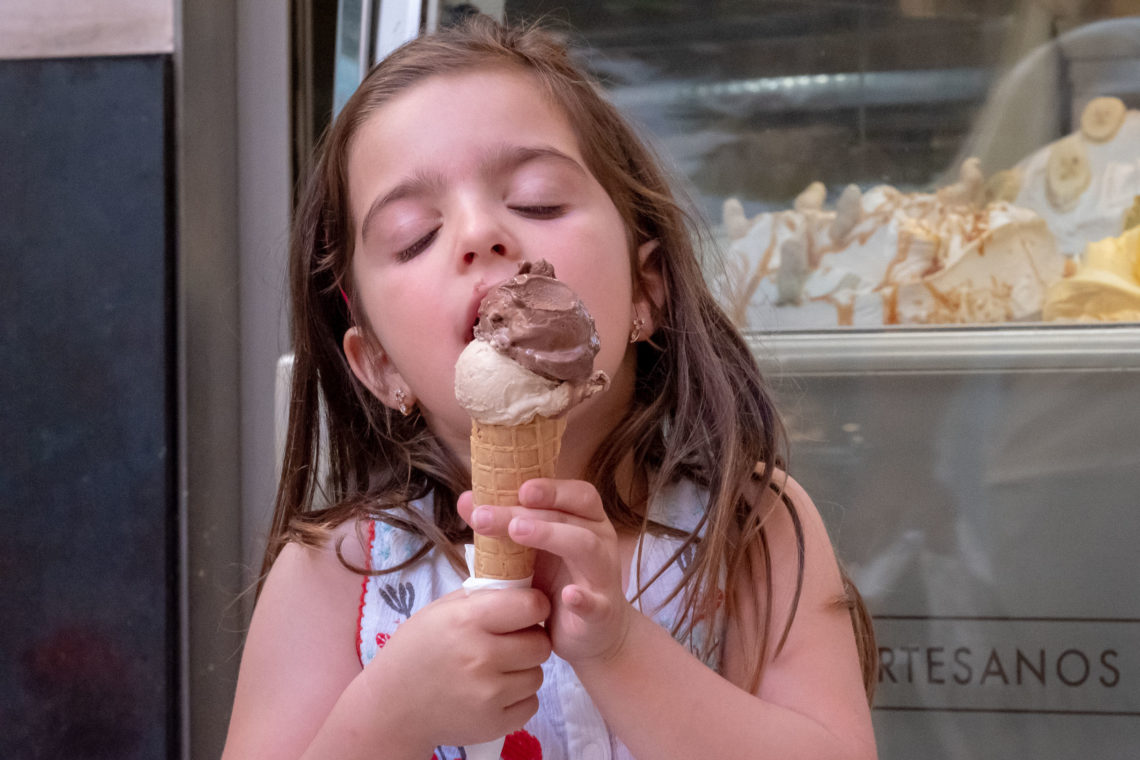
(472, 320)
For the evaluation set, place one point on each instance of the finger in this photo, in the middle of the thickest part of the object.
(448, 598)
(515, 716)
(583, 602)
(584, 551)
(464, 504)
(520, 685)
(522, 650)
(509, 610)
(495, 521)
(488, 520)
(574, 497)
(485, 519)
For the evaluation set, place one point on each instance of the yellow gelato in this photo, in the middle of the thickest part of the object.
(1105, 287)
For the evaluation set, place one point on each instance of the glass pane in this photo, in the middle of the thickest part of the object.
(348, 51)
(918, 162)
(989, 520)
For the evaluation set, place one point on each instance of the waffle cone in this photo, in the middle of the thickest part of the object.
(503, 457)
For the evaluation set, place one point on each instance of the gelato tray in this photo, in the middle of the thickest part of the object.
(1051, 238)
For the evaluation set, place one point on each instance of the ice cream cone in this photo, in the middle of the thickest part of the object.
(503, 457)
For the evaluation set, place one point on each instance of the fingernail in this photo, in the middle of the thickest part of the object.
(522, 526)
(481, 518)
(532, 490)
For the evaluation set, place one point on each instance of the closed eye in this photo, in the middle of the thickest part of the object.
(417, 247)
(540, 212)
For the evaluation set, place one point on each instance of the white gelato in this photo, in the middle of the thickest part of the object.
(885, 257)
(499, 391)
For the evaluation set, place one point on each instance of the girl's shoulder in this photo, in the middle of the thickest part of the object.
(811, 634)
(784, 495)
(298, 654)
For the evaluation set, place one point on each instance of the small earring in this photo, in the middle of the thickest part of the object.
(635, 333)
(402, 402)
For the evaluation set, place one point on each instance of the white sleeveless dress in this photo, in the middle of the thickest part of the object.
(567, 725)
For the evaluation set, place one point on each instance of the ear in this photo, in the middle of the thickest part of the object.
(374, 369)
(649, 298)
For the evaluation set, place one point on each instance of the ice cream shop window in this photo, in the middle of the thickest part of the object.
(871, 164)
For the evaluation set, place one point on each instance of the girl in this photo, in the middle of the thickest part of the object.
(687, 602)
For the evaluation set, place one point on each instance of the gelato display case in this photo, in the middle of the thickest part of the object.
(925, 215)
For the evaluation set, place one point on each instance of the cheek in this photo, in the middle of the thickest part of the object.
(608, 298)
(399, 316)
(602, 278)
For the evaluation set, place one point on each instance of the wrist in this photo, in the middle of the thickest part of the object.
(392, 722)
(620, 644)
(359, 728)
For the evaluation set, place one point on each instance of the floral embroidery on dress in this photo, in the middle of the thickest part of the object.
(400, 598)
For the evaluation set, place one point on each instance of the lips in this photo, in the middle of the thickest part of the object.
(481, 290)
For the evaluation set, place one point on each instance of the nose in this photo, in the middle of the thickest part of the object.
(497, 249)
(483, 236)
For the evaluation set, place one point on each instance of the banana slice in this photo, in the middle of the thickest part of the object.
(1003, 186)
(1102, 117)
(1067, 172)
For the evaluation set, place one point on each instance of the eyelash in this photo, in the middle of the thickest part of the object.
(540, 212)
(416, 248)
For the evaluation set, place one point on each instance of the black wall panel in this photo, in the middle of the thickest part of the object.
(88, 497)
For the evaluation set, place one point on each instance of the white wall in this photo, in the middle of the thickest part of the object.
(232, 65)
(69, 28)
(264, 193)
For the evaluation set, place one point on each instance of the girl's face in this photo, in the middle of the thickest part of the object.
(452, 184)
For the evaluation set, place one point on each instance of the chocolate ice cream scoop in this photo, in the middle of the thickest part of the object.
(541, 324)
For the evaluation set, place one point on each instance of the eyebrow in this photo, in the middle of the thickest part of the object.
(504, 158)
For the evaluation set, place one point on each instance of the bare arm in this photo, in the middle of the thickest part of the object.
(298, 659)
(302, 693)
(810, 703)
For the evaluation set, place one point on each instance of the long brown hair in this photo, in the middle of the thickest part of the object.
(700, 409)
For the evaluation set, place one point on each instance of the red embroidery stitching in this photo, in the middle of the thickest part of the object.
(363, 592)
